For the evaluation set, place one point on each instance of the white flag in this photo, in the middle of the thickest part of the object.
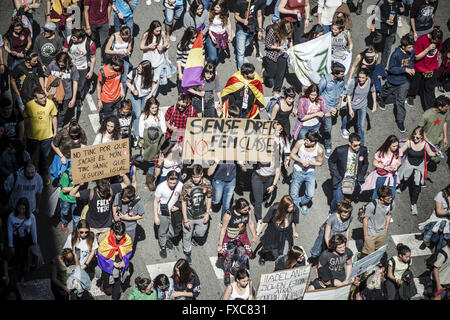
(312, 60)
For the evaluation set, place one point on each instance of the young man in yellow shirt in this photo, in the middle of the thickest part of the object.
(41, 123)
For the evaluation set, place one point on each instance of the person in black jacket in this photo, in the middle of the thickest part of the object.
(389, 13)
(341, 167)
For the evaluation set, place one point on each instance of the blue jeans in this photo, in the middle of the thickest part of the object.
(171, 14)
(223, 191)
(128, 21)
(305, 129)
(327, 126)
(213, 51)
(318, 245)
(338, 196)
(276, 14)
(138, 104)
(439, 238)
(326, 28)
(379, 71)
(242, 41)
(298, 177)
(360, 124)
(207, 4)
(123, 77)
(66, 209)
(380, 182)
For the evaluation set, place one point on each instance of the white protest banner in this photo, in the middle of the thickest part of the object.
(289, 284)
(312, 60)
(367, 263)
(340, 293)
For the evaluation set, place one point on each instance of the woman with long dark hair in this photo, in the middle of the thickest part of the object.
(120, 44)
(278, 40)
(284, 109)
(311, 110)
(280, 220)
(183, 49)
(196, 16)
(186, 281)
(203, 95)
(17, 42)
(109, 131)
(220, 32)
(83, 243)
(21, 235)
(234, 244)
(241, 288)
(413, 171)
(386, 161)
(315, 32)
(154, 44)
(164, 286)
(142, 86)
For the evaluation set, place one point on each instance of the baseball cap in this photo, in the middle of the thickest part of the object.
(50, 26)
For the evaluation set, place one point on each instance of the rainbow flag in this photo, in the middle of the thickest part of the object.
(237, 82)
(108, 250)
(194, 65)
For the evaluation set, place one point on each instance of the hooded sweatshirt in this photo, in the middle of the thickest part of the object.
(135, 294)
(399, 61)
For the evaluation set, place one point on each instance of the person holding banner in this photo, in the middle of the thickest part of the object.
(241, 288)
(281, 221)
(324, 280)
(298, 13)
(293, 259)
(244, 89)
(331, 88)
(338, 259)
(233, 239)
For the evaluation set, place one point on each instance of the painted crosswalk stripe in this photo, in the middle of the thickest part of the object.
(420, 289)
(219, 272)
(91, 103)
(411, 241)
(156, 269)
(95, 121)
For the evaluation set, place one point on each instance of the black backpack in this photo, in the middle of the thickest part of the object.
(30, 83)
(429, 262)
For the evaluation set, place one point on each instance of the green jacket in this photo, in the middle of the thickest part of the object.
(137, 295)
(152, 147)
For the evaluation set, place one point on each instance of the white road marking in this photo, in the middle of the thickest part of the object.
(219, 272)
(414, 244)
(95, 291)
(91, 103)
(155, 269)
(95, 121)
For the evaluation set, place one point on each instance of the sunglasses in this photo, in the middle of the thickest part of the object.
(417, 137)
(83, 232)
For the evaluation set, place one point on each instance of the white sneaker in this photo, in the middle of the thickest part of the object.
(345, 133)
(149, 2)
(172, 38)
(392, 220)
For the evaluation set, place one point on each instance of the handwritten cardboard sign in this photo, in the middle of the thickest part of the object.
(367, 263)
(340, 293)
(100, 161)
(209, 139)
(289, 284)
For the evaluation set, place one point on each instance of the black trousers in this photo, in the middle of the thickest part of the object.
(424, 87)
(276, 71)
(111, 289)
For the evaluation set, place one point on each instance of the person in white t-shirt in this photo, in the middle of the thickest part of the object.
(83, 242)
(154, 45)
(151, 116)
(164, 205)
(142, 86)
(82, 51)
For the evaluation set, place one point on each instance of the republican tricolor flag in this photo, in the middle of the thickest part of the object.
(194, 65)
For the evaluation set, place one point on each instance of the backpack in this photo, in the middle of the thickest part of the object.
(362, 210)
(30, 83)
(429, 262)
(272, 102)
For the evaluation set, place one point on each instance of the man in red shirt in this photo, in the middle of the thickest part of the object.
(96, 17)
(176, 117)
(426, 65)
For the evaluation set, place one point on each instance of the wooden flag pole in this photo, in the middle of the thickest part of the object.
(248, 9)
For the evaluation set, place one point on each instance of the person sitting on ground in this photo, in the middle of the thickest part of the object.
(241, 288)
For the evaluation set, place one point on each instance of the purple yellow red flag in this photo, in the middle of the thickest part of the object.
(194, 65)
